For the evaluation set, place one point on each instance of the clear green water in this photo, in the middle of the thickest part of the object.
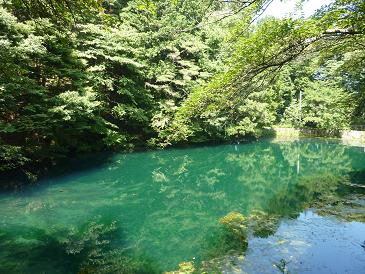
(147, 212)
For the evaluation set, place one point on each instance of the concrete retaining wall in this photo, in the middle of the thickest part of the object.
(348, 137)
(353, 137)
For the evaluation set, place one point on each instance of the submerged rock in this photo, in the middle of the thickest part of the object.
(184, 268)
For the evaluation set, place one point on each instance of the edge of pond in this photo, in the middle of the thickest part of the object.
(16, 180)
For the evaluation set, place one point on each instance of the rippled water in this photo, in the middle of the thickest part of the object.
(302, 201)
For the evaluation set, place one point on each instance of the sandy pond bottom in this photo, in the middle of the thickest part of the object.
(262, 207)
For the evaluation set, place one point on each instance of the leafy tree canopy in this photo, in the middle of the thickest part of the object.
(84, 76)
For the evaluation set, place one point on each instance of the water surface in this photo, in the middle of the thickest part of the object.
(147, 212)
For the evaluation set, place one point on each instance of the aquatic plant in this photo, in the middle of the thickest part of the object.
(184, 268)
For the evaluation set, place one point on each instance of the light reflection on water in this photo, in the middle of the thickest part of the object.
(309, 244)
(166, 206)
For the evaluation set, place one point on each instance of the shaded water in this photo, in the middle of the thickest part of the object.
(147, 212)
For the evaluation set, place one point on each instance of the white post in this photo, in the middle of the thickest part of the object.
(300, 107)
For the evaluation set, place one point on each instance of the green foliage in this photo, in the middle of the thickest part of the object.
(119, 74)
(99, 85)
(57, 10)
(93, 246)
(233, 103)
(326, 103)
(46, 106)
(261, 86)
(11, 157)
(322, 107)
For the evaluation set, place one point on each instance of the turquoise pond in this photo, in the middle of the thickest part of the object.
(302, 204)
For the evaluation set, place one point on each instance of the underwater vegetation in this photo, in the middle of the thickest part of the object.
(95, 247)
(188, 211)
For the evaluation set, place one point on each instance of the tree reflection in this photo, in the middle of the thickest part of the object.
(170, 202)
(95, 247)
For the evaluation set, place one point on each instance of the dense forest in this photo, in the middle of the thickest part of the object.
(105, 75)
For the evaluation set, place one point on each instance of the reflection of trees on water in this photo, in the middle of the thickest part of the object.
(343, 196)
(95, 247)
(282, 180)
(170, 201)
(317, 155)
(227, 244)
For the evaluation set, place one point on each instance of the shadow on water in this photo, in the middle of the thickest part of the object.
(17, 180)
(339, 196)
(95, 247)
(200, 205)
(357, 177)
